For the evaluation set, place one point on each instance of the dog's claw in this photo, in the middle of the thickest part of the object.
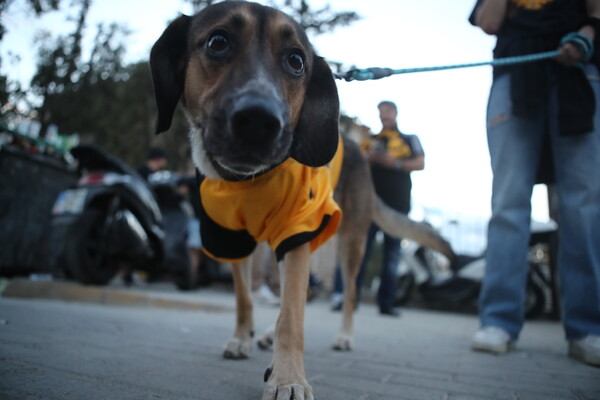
(230, 355)
(287, 392)
(342, 343)
(265, 342)
(236, 349)
(268, 373)
(285, 386)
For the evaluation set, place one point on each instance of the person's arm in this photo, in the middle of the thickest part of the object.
(569, 53)
(416, 163)
(593, 8)
(382, 158)
(490, 15)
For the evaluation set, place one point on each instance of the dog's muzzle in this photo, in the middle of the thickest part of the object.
(257, 120)
(258, 134)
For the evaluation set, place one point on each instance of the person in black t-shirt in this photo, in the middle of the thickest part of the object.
(393, 156)
(157, 160)
(553, 102)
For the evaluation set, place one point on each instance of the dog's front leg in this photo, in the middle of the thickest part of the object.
(240, 345)
(285, 377)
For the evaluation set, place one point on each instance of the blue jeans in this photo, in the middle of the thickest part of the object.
(514, 145)
(386, 295)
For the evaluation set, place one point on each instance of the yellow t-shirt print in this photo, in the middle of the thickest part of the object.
(531, 4)
(396, 146)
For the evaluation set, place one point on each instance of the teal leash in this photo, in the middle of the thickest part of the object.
(579, 40)
(366, 74)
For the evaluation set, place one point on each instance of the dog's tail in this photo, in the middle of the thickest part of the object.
(397, 224)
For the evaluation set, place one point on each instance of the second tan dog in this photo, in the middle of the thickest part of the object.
(263, 111)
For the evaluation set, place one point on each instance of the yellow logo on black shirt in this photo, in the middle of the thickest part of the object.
(531, 4)
(390, 142)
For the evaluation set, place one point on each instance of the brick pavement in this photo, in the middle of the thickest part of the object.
(162, 344)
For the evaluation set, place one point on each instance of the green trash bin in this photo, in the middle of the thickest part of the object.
(29, 185)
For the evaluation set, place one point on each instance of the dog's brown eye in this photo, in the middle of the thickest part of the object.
(295, 62)
(217, 43)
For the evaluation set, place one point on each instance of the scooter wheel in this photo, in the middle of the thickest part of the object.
(87, 257)
(404, 288)
(535, 300)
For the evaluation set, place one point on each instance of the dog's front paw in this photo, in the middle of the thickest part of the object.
(342, 342)
(236, 349)
(266, 340)
(279, 389)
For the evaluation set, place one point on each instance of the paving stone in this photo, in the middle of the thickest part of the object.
(167, 345)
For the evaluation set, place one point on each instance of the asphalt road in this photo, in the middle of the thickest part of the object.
(65, 341)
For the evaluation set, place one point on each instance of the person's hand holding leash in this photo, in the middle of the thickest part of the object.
(570, 53)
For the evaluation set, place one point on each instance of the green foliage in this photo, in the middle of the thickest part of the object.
(42, 6)
(123, 120)
(313, 21)
(11, 90)
(3, 90)
(316, 21)
(39, 7)
(198, 5)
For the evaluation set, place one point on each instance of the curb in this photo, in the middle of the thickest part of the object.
(70, 291)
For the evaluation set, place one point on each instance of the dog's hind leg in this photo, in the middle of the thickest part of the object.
(353, 194)
(240, 345)
(351, 250)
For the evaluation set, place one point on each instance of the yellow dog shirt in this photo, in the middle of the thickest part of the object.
(287, 206)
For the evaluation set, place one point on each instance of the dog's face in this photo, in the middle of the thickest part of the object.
(253, 90)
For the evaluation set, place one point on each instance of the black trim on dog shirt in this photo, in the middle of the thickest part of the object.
(299, 239)
(221, 243)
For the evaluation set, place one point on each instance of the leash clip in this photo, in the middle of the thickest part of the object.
(365, 74)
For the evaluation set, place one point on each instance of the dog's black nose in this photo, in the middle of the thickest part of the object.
(257, 120)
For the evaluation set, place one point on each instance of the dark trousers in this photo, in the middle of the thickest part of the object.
(387, 274)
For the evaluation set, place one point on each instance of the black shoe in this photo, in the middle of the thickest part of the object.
(337, 306)
(389, 311)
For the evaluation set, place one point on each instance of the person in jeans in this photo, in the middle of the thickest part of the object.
(392, 156)
(556, 100)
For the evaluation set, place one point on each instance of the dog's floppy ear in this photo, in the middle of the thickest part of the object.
(167, 63)
(316, 134)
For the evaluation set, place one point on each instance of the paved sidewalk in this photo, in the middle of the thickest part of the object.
(66, 341)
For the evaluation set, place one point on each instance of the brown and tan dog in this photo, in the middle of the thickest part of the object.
(256, 96)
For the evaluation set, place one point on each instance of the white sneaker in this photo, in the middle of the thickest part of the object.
(491, 339)
(586, 350)
(337, 301)
(264, 295)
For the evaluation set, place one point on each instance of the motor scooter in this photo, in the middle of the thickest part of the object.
(111, 221)
(176, 211)
(429, 277)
